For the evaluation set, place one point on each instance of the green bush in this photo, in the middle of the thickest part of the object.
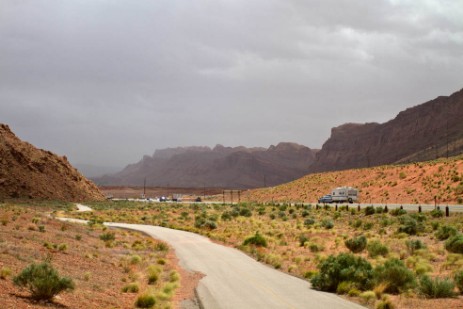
(409, 225)
(302, 240)
(396, 275)
(131, 288)
(376, 248)
(356, 244)
(369, 210)
(145, 301)
(398, 212)
(414, 244)
(455, 244)
(256, 240)
(108, 236)
(327, 224)
(384, 303)
(437, 213)
(436, 288)
(458, 278)
(309, 221)
(203, 222)
(445, 231)
(343, 267)
(43, 281)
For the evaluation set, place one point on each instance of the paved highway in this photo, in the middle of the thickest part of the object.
(410, 207)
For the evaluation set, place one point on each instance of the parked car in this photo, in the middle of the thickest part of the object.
(326, 199)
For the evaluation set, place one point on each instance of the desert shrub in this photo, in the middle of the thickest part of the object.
(367, 226)
(398, 212)
(437, 213)
(302, 240)
(108, 236)
(203, 222)
(368, 297)
(445, 231)
(396, 275)
(414, 244)
(145, 301)
(436, 288)
(455, 244)
(5, 272)
(343, 267)
(174, 276)
(327, 224)
(161, 246)
(356, 244)
(245, 212)
(379, 210)
(309, 221)
(384, 303)
(344, 287)
(256, 240)
(314, 247)
(226, 216)
(131, 288)
(357, 223)
(43, 281)
(458, 279)
(135, 259)
(376, 248)
(409, 225)
(369, 210)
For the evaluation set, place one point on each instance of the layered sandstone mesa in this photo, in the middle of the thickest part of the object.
(28, 172)
(223, 167)
(424, 132)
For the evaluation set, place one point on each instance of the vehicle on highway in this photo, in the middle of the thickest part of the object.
(345, 194)
(326, 199)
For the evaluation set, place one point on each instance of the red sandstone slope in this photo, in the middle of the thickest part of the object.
(28, 172)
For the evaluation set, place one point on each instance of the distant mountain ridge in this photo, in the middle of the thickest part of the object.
(427, 131)
(225, 167)
(424, 132)
(28, 172)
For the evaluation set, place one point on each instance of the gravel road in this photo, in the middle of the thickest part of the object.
(236, 281)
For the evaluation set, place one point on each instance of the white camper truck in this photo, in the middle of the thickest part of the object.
(344, 194)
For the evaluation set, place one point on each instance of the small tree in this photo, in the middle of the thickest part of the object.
(43, 281)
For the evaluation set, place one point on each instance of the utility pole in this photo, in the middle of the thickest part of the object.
(447, 130)
(144, 188)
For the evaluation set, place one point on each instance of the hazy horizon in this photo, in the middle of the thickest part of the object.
(106, 82)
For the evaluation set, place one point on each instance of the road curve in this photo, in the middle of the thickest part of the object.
(233, 279)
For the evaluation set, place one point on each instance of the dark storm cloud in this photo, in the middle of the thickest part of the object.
(108, 81)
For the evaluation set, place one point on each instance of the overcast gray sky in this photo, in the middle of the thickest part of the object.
(105, 82)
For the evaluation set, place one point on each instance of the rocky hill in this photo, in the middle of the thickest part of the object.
(405, 183)
(28, 172)
(424, 132)
(223, 167)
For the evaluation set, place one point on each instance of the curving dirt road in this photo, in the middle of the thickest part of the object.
(233, 279)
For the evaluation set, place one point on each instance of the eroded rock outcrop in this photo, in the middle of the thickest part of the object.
(28, 172)
(420, 133)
